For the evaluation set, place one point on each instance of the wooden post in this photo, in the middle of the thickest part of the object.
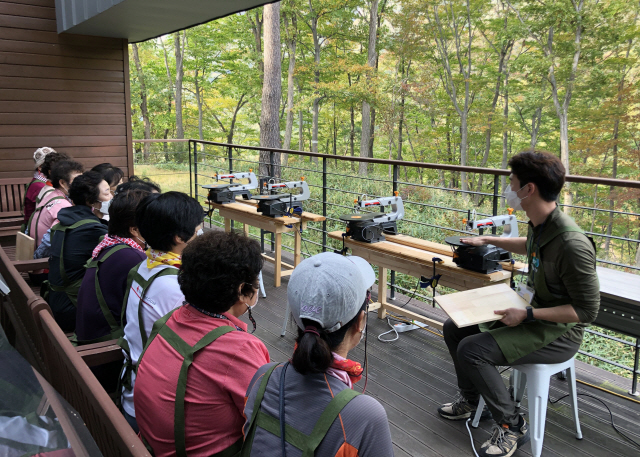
(278, 259)
(245, 229)
(227, 224)
(382, 291)
(297, 246)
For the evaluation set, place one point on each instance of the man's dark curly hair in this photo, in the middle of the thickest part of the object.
(62, 171)
(85, 188)
(50, 160)
(162, 217)
(542, 168)
(215, 265)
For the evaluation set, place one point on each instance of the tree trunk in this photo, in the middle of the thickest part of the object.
(199, 103)
(179, 45)
(505, 138)
(316, 80)
(165, 145)
(256, 29)
(271, 91)
(365, 139)
(143, 101)
(291, 45)
(505, 53)
(239, 106)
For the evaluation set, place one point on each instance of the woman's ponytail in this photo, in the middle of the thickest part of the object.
(312, 353)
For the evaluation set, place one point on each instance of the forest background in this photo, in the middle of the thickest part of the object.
(449, 81)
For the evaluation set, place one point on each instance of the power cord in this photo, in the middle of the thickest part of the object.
(387, 332)
(635, 443)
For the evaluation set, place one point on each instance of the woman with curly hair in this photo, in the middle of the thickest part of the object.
(202, 402)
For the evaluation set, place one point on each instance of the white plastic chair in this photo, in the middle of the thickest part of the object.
(537, 378)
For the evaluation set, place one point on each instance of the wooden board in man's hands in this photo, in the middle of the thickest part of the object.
(477, 306)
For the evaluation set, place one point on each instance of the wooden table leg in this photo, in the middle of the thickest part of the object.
(297, 243)
(278, 259)
(382, 291)
(227, 224)
(245, 229)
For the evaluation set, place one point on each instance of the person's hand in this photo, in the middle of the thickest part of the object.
(512, 316)
(473, 241)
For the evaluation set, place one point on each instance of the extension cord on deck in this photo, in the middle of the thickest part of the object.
(404, 327)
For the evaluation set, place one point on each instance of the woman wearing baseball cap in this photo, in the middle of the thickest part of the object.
(311, 396)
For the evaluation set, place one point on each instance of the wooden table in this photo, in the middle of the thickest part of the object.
(247, 214)
(412, 256)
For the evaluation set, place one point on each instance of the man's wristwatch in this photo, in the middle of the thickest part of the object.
(529, 317)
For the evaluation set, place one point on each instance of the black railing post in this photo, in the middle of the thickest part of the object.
(195, 171)
(271, 165)
(324, 204)
(230, 159)
(392, 289)
(496, 197)
(190, 171)
(634, 381)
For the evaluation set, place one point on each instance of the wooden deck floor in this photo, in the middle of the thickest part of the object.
(414, 375)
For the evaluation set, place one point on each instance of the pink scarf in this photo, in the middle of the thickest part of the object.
(109, 241)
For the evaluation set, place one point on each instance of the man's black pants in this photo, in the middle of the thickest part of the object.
(476, 356)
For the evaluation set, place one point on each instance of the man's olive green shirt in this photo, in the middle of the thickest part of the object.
(569, 265)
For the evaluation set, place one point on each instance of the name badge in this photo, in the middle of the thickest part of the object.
(525, 292)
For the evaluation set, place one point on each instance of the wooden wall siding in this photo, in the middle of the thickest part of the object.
(69, 92)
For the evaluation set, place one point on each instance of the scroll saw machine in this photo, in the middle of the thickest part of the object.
(227, 192)
(370, 227)
(484, 259)
(274, 203)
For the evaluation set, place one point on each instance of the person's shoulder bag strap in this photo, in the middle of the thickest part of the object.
(70, 288)
(187, 352)
(116, 329)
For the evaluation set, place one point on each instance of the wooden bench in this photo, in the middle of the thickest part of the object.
(12, 192)
(73, 379)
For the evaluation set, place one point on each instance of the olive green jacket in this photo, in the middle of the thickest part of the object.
(562, 271)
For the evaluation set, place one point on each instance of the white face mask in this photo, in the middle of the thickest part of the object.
(363, 333)
(254, 305)
(104, 207)
(200, 232)
(513, 201)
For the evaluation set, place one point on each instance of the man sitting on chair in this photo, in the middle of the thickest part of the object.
(562, 288)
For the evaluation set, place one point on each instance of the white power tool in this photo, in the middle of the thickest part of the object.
(370, 227)
(508, 222)
(274, 203)
(227, 192)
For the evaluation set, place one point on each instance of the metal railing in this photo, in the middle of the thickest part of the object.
(434, 203)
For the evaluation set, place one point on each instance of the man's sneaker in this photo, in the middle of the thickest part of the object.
(461, 409)
(505, 440)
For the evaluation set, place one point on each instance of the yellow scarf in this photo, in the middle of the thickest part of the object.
(155, 258)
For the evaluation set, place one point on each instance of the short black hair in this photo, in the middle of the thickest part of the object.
(111, 174)
(215, 266)
(542, 168)
(85, 188)
(62, 171)
(162, 217)
(135, 182)
(122, 211)
(50, 160)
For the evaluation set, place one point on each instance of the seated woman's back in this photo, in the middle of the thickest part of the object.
(361, 430)
(312, 395)
(72, 243)
(197, 409)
